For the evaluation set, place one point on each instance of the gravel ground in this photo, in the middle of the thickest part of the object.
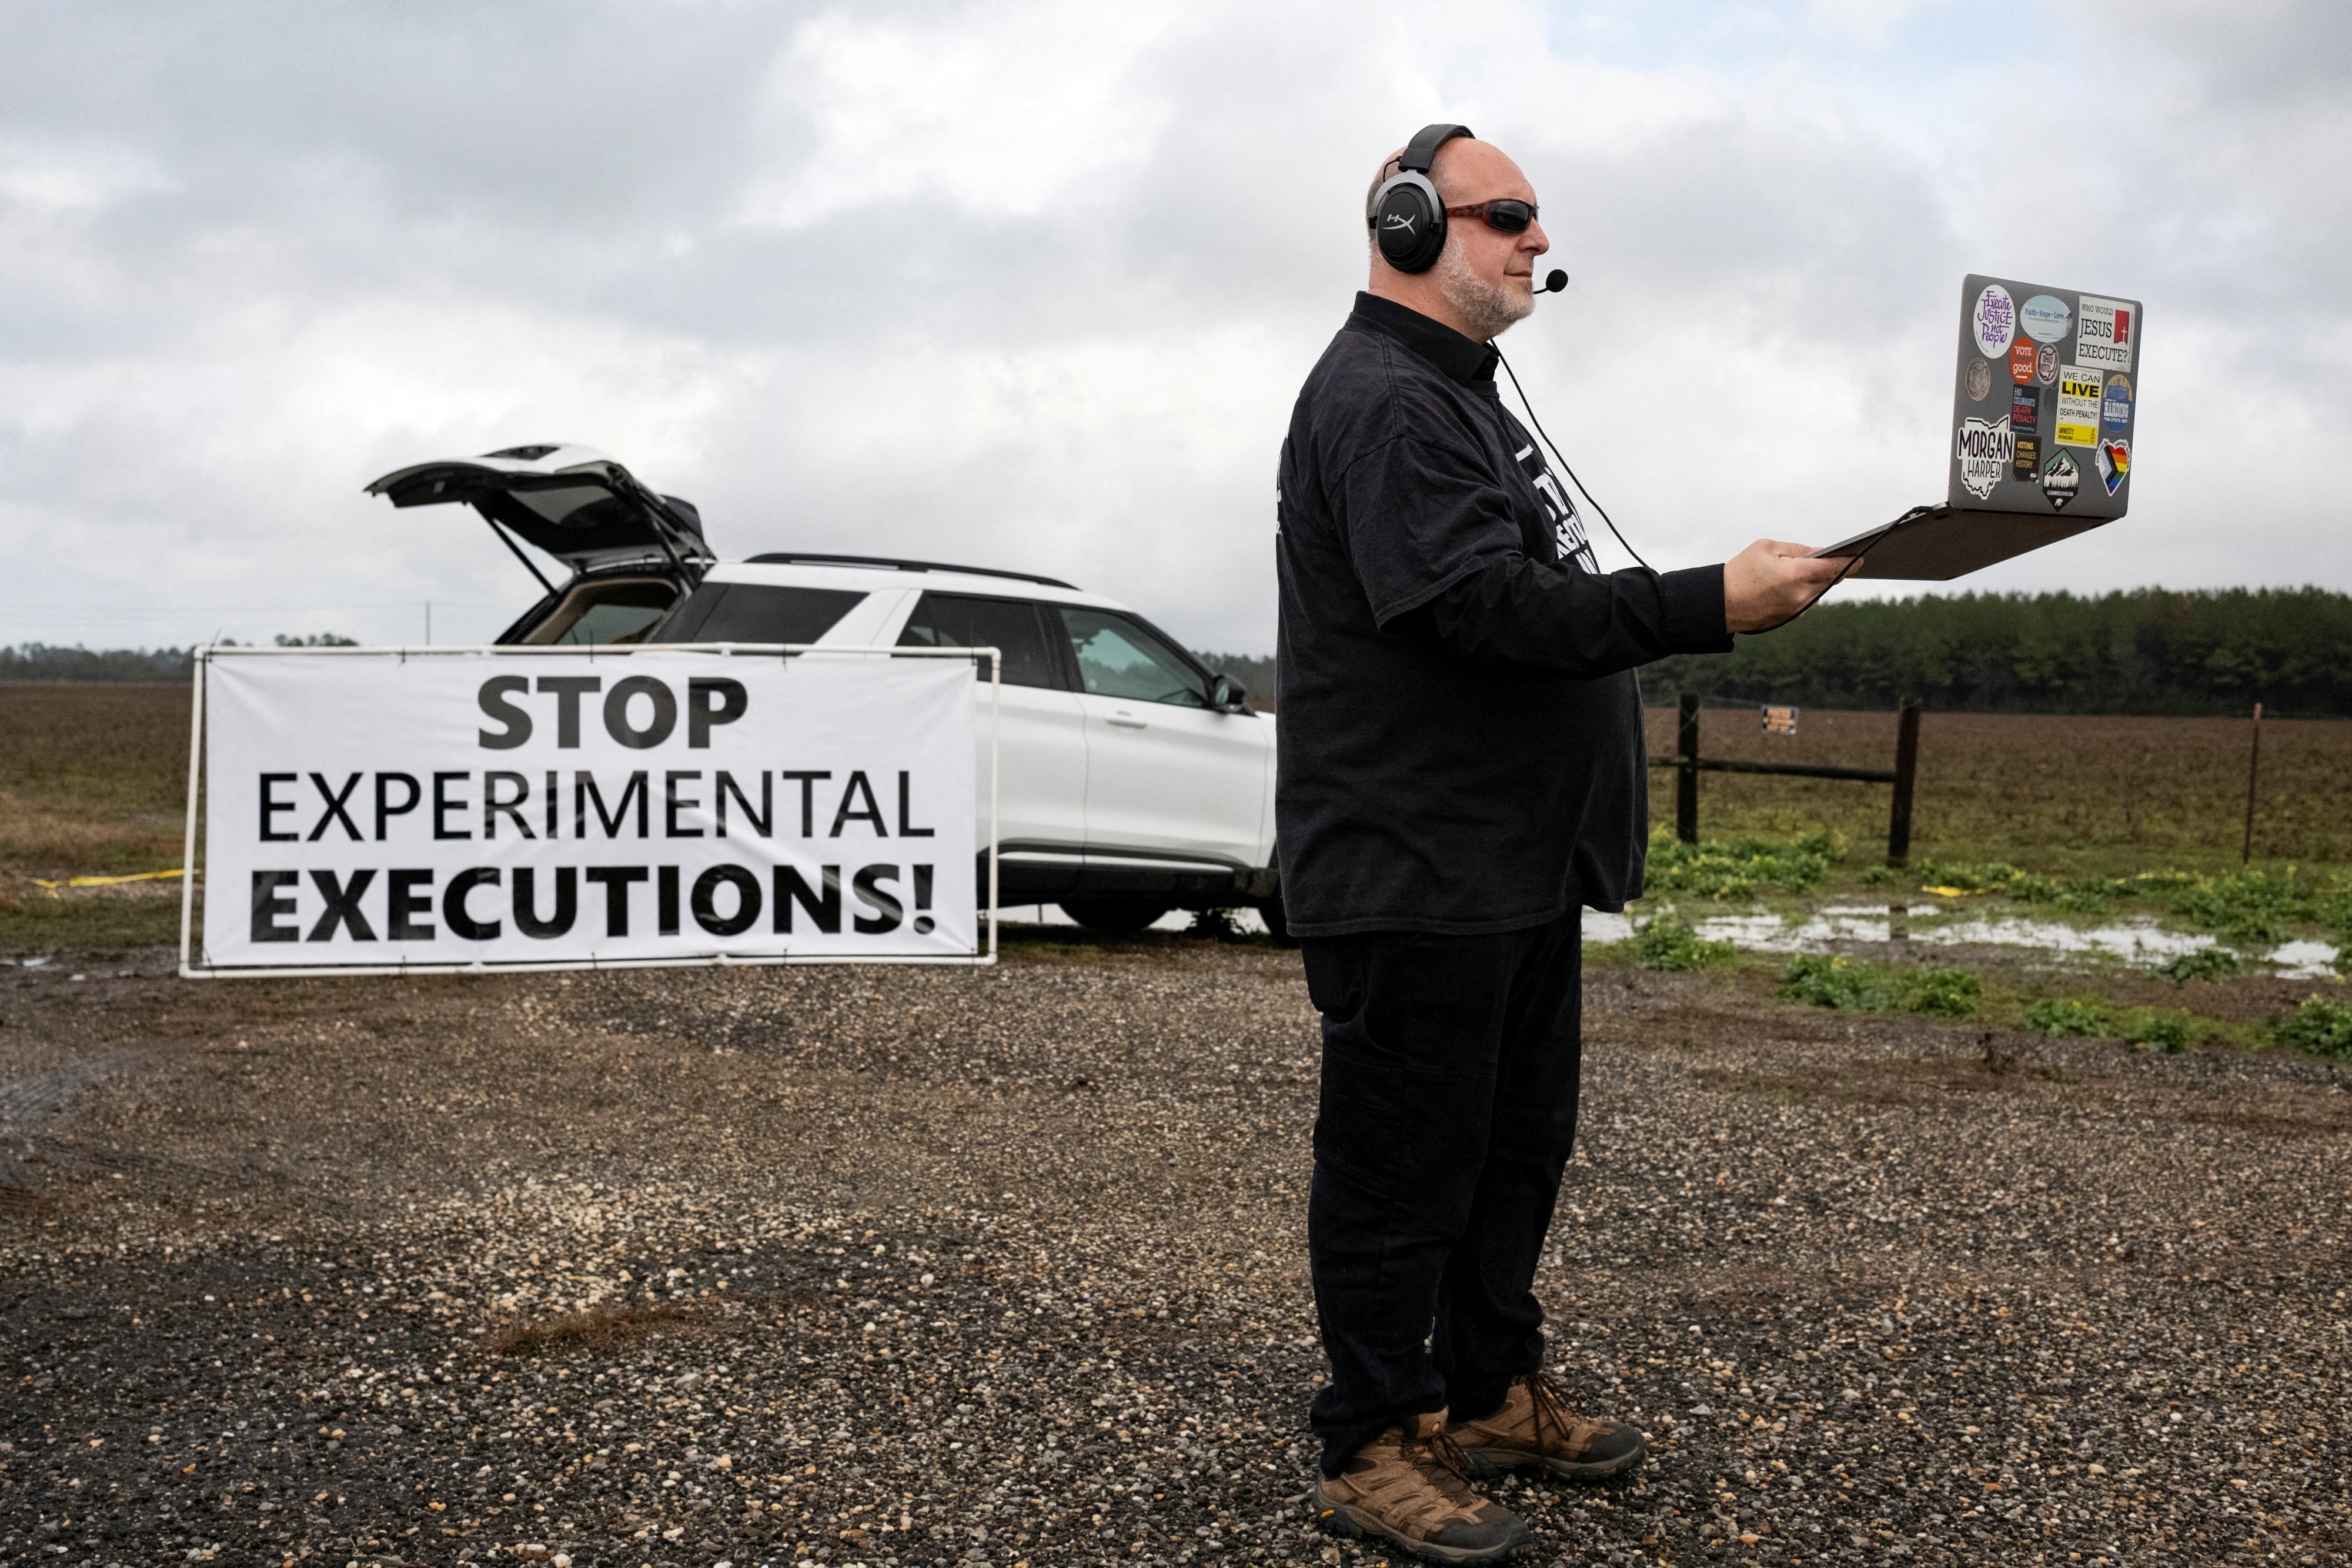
(901, 1267)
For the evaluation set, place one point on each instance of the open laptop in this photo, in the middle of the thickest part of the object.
(2042, 404)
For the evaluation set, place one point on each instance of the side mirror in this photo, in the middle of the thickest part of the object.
(1227, 695)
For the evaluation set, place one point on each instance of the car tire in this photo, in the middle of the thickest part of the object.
(1277, 923)
(1113, 917)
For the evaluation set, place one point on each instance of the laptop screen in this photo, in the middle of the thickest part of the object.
(2043, 402)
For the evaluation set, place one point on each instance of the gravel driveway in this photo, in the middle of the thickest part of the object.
(893, 1266)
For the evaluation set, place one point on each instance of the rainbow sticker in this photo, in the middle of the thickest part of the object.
(2114, 462)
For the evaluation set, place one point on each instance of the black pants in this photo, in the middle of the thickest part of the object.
(1448, 1112)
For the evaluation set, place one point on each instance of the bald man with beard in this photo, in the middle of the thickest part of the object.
(1461, 773)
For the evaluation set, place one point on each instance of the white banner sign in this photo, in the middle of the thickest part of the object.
(492, 808)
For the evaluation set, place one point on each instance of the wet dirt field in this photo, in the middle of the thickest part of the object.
(893, 1266)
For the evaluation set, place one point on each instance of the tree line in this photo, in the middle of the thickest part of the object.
(50, 662)
(2142, 651)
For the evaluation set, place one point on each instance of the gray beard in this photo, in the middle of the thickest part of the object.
(1490, 308)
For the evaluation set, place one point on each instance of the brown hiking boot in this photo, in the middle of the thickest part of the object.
(1535, 1426)
(1409, 1487)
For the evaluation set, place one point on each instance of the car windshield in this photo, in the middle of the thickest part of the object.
(1117, 658)
(619, 609)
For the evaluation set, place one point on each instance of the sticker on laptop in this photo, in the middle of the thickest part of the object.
(2044, 318)
(2114, 412)
(2060, 480)
(2021, 361)
(2045, 363)
(2105, 337)
(1979, 381)
(1994, 320)
(2025, 423)
(1984, 450)
(2114, 462)
(2077, 424)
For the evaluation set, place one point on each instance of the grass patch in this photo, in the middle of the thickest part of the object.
(1666, 943)
(1825, 980)
(85, 922)
(2320, 1025)
(1738, 868)
(2071, 796)
(600, 1327)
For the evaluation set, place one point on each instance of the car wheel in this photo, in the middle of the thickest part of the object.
(1277, 924)
(1117, 916)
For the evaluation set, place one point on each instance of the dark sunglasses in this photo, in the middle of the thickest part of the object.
(1504, 216)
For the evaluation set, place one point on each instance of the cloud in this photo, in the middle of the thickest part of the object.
(1035, 285)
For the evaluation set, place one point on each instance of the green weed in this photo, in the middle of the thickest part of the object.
(1942, 993)
(1987, 877)
(2203, 963)
(2062, 1017)
(1828, 980)
(1667, 943)
(2159, 1029)
(2320, 1025)
(1823, 980)
(1737, 869)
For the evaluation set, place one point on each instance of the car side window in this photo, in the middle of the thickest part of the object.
(1118, 658)
(968, 621)
(759, 613)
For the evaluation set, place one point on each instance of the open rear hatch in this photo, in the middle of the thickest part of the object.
(588, 512)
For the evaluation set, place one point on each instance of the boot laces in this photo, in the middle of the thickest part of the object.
(1441, 1463)
(1548, 1399)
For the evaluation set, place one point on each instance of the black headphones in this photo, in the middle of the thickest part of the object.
(1407, 217)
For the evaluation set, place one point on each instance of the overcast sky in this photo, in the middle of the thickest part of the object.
(1033, 284)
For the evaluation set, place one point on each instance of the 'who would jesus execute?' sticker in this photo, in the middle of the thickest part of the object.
(2104, 338)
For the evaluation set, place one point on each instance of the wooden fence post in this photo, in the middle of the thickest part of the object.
(1906, 770)
(1686, 776)
(2254, 774)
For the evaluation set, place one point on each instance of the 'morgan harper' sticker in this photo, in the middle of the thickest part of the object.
(2115, 411)
(1980, 380)
(2061, 480)
(2078, 407)
(2105, 337)
(1984, 450)
(1994, 320)
(2114, 462)
(2044, 318)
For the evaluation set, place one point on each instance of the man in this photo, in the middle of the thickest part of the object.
(1462, 771)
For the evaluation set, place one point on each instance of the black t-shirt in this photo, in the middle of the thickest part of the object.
(1460, 728)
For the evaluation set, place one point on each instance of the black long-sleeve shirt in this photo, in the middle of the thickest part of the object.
(1460, 728)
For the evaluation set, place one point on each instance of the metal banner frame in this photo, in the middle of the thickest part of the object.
(190, 969)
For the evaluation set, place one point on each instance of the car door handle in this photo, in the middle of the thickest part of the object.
(1126, 720)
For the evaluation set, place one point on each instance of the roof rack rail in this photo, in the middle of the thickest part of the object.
(795, 557)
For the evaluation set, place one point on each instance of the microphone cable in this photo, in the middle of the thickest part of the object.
(1572, 479)
(1851, 563)
(1869, 541)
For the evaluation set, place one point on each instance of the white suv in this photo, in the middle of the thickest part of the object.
(1132, 780)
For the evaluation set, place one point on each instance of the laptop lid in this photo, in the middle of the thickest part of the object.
(2045, 398)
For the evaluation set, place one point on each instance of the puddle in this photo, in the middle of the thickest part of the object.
(2139, 943)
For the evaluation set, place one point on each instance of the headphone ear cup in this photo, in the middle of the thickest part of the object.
(1408, 222)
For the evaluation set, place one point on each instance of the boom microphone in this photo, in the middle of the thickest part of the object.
(1554, 281)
